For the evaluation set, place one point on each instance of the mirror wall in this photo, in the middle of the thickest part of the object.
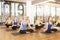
(11, 9)
(46, 10)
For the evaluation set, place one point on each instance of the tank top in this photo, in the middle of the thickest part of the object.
(49, 26)
(15, 22)
(9, 22)
(37, 23)
(58, 25)
(24, 25)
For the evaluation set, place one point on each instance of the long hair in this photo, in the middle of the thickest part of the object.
(49, 18)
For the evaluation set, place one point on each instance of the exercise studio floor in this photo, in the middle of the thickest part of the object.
(8, 35)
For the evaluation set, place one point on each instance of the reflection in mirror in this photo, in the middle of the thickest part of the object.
(0, 8)
(53, 11)
(7, 9)
(0, 11)
(12, 9)
(46, 10)
(20, 7)
(58, 11)
(39, 10)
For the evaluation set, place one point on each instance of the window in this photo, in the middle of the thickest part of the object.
(52, 11)
(20, 7)
(46, 10)
(7, 9)
(58, 11)
(16, 9)
(0, 8)
(39, 10)
(12, 9)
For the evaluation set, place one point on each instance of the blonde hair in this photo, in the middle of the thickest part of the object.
(49, 19)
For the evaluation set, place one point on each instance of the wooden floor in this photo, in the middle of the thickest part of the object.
(7, 35)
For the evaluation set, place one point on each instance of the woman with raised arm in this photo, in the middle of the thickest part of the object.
(23, 29)
(39, 23)
(58, 22)
(15, 23)
(49, 26)
(8, 22)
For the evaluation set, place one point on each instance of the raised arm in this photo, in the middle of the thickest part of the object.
(20, 27)
(45, 27)
(6, 21)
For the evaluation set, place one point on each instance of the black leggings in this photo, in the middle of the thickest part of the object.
(49, 31)
(39, 27)
(58, 25)
(14, 27)
(7, 25)
(24, 31)
(31, 25)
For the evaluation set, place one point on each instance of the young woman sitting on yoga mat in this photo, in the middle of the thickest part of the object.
(23, 29)
(39, 23)
(58, 22)
(8, 23)
(49, 26)
(15, 23)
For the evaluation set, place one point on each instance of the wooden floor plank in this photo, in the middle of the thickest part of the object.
(7, 35)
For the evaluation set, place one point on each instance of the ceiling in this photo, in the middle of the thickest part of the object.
(56, 2)
(33, 1)
(38, 1)
(19, 0)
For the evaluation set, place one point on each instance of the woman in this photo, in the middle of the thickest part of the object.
(15, 24)
(39, 23)
(49, 26)
(20, 20)
(58, 23)
(54, 21)
(23, 29)
(8, 22)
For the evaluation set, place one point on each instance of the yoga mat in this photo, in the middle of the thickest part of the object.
(16, 33)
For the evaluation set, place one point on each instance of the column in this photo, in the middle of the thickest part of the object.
(29, 11)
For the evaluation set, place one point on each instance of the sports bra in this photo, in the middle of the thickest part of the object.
(37, 23)
(9, 22)
(15, 22)
(49, 26)
(24, 25)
